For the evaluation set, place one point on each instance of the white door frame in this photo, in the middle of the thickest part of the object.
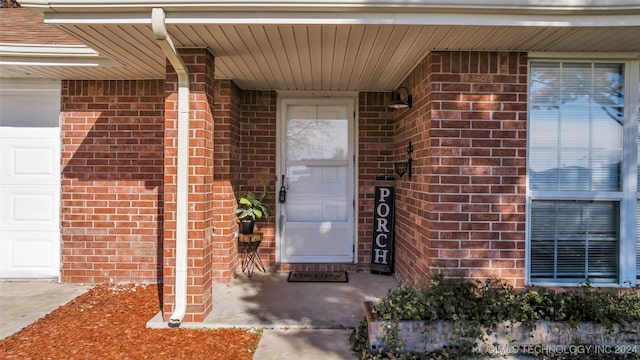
(285, 98)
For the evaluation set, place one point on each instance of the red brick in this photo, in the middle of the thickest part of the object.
(480, 145)
(86, 176)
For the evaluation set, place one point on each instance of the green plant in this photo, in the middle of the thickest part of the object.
(590, 304)
(476, 308)
(252, 207)
(539, 303)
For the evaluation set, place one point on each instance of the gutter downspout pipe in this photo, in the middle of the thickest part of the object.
(182, 175)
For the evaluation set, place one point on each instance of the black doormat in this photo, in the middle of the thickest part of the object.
(318, 276)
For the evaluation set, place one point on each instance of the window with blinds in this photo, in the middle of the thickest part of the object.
(582, 157)
(574, 240)
(576, 115)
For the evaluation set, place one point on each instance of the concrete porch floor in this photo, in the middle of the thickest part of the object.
(310, 321)
(269, 301)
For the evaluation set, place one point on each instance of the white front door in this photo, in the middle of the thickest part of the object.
(29, 179)
(316, 221)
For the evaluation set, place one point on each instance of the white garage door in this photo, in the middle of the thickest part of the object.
(29, 178)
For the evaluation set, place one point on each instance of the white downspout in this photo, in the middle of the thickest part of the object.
(182, 176)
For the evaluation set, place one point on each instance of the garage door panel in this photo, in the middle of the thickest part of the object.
(33, 254)
(29, 208)
(29, 161)
(33, 103)
(29, 178)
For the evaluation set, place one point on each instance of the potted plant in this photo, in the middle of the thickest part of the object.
(251, 208)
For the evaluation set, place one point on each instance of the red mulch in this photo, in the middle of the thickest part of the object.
(108, 322)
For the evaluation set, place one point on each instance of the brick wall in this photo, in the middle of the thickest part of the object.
(112, 182)
(463, 212)
(258, 166)
(200, 243)
(226, 174)
(258, 160)
(376, 129)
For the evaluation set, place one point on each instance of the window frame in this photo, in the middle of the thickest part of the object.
(627, 197)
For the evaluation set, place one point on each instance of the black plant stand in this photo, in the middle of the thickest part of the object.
(248, 248)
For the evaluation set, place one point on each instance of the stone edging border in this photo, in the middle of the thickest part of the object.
(510, 338)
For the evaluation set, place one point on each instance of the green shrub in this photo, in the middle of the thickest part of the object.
(476, 305)
(459, 299)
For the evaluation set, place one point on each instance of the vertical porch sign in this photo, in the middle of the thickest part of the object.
(383, 226)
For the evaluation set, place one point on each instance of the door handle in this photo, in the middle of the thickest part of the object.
(282, 197)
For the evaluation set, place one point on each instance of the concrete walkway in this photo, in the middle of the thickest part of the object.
(24, 302)
(313, 344)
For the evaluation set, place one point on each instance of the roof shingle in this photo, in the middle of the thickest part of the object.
(21, 26)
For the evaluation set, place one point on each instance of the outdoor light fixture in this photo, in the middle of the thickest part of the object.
(403, 167)
(396, 99)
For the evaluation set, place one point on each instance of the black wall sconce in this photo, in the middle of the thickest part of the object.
(403, 167)
(396, 99)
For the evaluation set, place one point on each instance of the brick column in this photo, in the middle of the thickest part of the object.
(463, 212)
(225, 257)
(200, 63)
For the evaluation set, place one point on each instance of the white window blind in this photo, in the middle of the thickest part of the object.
(574, 240)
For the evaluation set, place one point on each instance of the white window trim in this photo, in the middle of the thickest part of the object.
(628, 207)
(627, 197)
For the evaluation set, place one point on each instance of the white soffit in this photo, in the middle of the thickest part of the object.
(334, 57)
(349, 50)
